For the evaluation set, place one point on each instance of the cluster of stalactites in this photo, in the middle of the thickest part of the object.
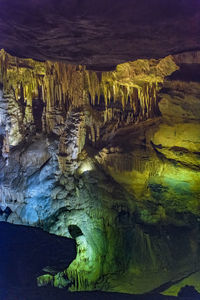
(58, 85)
(61, 86)
(139, 99)
(55, 82)
(3, 65)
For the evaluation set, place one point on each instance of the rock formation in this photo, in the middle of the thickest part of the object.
(111, 159)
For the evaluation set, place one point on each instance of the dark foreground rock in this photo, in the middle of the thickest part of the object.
(55, 294)
(25, 251)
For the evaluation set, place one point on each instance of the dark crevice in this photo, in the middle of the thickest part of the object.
(74, 231)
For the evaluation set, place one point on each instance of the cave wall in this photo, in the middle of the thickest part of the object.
(108, 158)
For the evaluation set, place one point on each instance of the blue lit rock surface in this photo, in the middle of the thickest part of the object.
(110, 159)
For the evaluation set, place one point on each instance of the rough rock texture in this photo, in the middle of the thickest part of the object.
(110, 159)
(100, 33)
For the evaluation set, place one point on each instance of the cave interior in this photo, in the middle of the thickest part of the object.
(100, 138)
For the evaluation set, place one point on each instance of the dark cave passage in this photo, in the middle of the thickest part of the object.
(25, 251)
(75, 231)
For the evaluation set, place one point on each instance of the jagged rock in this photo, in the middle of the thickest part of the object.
(60, 280)
(70, 184)
(11, 120)
(29, 215)
(45, 280)
(62, 195)
(13, 218)
(19, 209)
(3, 218)
(63, 180)
(56, 191)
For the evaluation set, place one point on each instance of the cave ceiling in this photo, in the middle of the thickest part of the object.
(99, 34)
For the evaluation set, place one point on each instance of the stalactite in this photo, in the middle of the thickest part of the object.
(6, 145)
(139, 96)
(132, 87)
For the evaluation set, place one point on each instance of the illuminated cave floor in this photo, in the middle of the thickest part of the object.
(25, 251)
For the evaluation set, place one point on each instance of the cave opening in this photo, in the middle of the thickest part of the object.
(74, 231)
(37, 108)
